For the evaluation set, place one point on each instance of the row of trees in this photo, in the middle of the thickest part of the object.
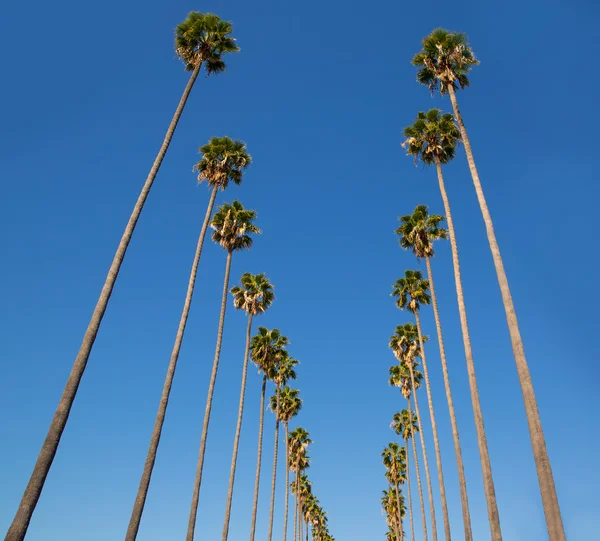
(443, 65)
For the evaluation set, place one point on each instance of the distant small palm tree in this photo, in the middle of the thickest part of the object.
(254, 296)
(202, 39)
(389, 502)
(299, 461)
(232, 225)
(394, 461)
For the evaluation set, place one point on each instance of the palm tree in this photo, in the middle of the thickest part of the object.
(412, 292)
(394, 461)
(418, 231)
(254, 296)
(290, 405)
(394, 509)
(232, 224)
(445, 62)
(303, 490)
(202, 39)
(405, 345)
(432, 139)
(284, 371)
(267, 347)
(299, 461)
(223, 160)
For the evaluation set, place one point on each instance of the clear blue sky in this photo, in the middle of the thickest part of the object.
(320, 92)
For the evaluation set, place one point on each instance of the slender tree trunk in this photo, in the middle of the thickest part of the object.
(287, 483)
(554, 523)
(418, 473)
(457, 450)
(424, 450)
(238, 429)
(209, 398)
(486, 467)
(296, 500)
(410, 513)
(140, 500)
(274, 482)
(32, 493)
(436, 440)
(306, 530)
(259, 457)
(399, 520)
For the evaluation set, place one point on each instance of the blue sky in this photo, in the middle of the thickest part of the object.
(320, 92)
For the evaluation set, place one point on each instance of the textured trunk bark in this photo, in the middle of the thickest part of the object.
(140, 500)
(457, 450)
(238, 430)
(274, 482)
(418, 473)
(556, 531)
(287, 483)
(486, 467)
(410, 513)
(32, 493)
(259, 457)
(209, 398)
(399, 518)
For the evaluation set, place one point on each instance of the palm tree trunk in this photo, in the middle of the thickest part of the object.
(306, 530)
(238, 429)
(424, 451)
(296, 500)
(259, 457)
(410, 513)
(554, 523)
(486, 467)
(457, 450)
(209, 398)
(20, 524)
(418, 473)
(140, 500)
(274, 482)
(436, 440)
(287, 483)
(399, 535)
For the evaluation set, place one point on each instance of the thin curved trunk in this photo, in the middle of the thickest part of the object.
(464, 500)
(556, 531)
(20, 524)
(275, 452)
(287, 483)
(419, 486)
(209, 399)
(424, 451)
(261, 424)
(486, 467)
(238, 430)
(436, 440)
(140, 500)
(399, 518)
(296, 501)
(410, 514)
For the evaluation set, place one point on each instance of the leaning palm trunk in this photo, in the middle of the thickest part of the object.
(554, 523)
(274, 482)
(140, 500)
(287, 483)
(238, 429)
(259, 458)
(18, 528)
(457, 450)
(436, 442)
(399, 533)
(486, 467)
(410, 514)
(418, 473)
(209, 398)
(423, 449)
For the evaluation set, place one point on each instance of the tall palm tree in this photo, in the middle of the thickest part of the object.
(202, 39)
(267, 347)
(412, 291)
(232, 225)
(394, 461)
(444, 63)
(405, 424)
(284, 371)
(299, 461)
(223, 161)
(394, 509)
(406, 346)
(303, 490)
(254, 296)
(433, 139)
(290, 405)
(418, 231)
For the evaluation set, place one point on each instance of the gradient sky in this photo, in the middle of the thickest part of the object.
(320, 92)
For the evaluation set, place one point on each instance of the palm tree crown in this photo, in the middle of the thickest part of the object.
(223, 160)
(284, 369)
(400, 377)
(204, 37)
(412, 291)
(267, 347)
(432, 138)
(419, 230)
(445, 60)
(290, 403)
(231, 224)
(254, 295)
(404, 343)
(394, 460)
(404, 424)
(299, 441)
